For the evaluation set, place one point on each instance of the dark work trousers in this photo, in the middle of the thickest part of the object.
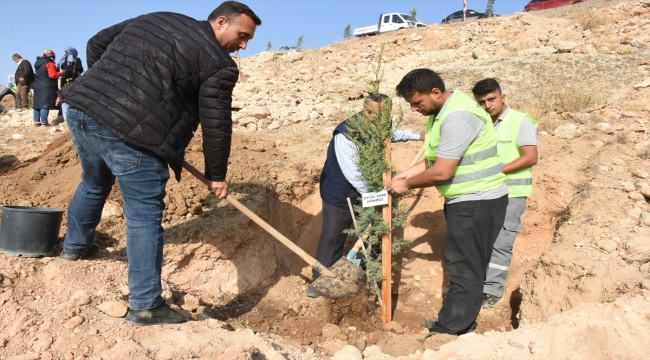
(332, 237)
(472, 228)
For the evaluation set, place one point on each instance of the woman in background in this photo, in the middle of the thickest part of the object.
(45, 86)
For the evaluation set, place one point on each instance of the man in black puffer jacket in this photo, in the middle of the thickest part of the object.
(151, 81)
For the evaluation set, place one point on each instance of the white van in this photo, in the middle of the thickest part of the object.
(388, 22)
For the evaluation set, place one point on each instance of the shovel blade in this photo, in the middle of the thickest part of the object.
(349, 281)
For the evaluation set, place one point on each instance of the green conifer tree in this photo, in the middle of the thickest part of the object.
(489, 10)
(412, 16)
(347, 32)
(269, 45)
(299, 43)
(370, 136)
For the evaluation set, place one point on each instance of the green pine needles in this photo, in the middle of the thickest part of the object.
(371, 133)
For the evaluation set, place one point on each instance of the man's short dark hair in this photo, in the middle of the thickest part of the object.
(486, 86)
(232, 9)
(376, 97)
(16, 56)
(421, 81)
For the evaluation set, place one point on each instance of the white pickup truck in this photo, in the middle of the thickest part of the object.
(388, 22)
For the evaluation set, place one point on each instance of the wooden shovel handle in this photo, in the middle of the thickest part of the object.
(417, 157)
(264, 225)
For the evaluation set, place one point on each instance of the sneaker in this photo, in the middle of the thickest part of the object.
(490, 301)
(163, 314)
(37, 124)
(312, 293)
(45, 124)
(82, 255)
(428, 322)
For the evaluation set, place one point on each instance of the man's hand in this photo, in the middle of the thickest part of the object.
(398, 186)
(22, 80)
(219, 188)
(422, 136)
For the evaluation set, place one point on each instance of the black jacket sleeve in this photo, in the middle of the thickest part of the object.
(215, 101)
(99, 43)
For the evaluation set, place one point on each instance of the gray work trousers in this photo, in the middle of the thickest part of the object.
(497, 270)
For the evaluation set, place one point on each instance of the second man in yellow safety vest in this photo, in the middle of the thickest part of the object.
(517, 146)
(461, 161)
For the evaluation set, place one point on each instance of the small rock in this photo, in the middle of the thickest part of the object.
(80, 298)
(543, 133)
(196, 210)
(189, 302)
(113, 309)
(646, 284)
(565, 131)
(265, 56)
(361, 343)
(603, 126)
(274, 125)
(309, 351)
(417, 278)
(646, 221)
(348, 352)
(17, 136)
(638, 244)
(640, 174)
(125, 290)
(607, 245)
(28, 356)
(480, 54)
(634, 213)
(235, 352)
(330, 331)
(565, 46)
(395, 327)
(636, 196)
(645, 83)
(73, 322)
(628, 188)
(645, 191)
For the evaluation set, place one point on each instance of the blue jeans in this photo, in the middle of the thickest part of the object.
(142, 178)
(42, 113)
(64, 109)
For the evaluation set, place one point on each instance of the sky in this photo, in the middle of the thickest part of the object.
(28, 27)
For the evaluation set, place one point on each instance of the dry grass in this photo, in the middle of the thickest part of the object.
(561, 89)
(594, 19)
(622, 138)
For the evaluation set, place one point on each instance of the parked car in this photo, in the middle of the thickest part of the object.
(548, 4)
(288, 49)
(469, 14)
(388, 22)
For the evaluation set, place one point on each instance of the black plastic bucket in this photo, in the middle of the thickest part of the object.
(29, 231)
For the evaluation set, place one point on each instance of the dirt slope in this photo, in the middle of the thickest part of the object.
(578, 286)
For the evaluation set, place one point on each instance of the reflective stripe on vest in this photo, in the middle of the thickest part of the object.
(520, 182)
(479, 169)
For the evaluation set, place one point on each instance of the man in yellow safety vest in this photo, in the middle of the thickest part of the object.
(461, 161)
(517, 147)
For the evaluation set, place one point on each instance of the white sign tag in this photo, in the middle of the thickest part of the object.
(375, 199)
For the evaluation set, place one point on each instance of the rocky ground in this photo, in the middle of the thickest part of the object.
(580, 278)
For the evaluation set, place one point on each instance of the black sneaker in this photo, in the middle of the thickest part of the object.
(490, 301)
(163, 314)
(430, 321)
(82, 255)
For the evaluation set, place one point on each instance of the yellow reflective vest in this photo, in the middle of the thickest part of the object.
(520, 182)
(479, 169)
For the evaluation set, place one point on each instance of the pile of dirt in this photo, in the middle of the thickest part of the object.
(581, 264)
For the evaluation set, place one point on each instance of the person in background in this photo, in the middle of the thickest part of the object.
(73, 69)
(10, 90)
(45, 87)
(24, 77)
